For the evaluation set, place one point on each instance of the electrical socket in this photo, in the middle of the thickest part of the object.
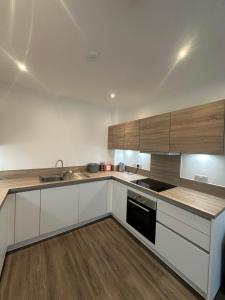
(201, 178)
(138, 166)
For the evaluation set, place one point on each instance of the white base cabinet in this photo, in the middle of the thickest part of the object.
(11, 204)
(187, 258)
(27, 215)
(119, 201)
(93, 200)
(3, 234)
(59, 208)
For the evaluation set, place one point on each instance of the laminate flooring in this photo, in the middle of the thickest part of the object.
(98, 261)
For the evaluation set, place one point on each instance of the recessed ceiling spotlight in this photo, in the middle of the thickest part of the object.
(183, 53)
(92, 55)
(22, 67)
(112, 95)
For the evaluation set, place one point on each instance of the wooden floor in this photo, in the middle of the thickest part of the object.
(99, 261)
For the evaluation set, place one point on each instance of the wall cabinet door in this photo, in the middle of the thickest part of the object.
(27, 215)
(188, 259)
(116, 135)
(198, 129)
(119, 201)
(155, 134)
(131, 141)
(59, 208)
(93, 200)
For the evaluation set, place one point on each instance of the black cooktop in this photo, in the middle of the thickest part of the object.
(154, 185)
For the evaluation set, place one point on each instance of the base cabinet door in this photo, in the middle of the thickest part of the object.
(11, 204)
(188, 259)
(93, 200)
(59, 208)
(27, 219)
(119, 201)
(3, 234)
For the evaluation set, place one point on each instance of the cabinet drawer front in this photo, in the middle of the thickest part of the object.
(186, 217)
(188, 259)
(193, 235)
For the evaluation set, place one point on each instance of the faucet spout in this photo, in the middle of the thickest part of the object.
(59, 161)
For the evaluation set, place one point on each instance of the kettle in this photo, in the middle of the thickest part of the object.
(122, 167)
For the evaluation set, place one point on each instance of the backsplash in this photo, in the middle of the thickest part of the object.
(132, 158)
(212, 166)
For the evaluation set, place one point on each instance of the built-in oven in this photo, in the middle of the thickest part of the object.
(141, 214)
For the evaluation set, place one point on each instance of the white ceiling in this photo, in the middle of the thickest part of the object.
(137, 41)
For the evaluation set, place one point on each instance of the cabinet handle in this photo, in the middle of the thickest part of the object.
(134, 203)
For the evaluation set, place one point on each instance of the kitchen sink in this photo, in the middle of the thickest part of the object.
(66, 176)
(79, 176)
(51, 178)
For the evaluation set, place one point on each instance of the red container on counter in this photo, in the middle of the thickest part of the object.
(107, 167)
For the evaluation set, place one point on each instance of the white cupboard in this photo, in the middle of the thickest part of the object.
(10, 203)
(188, 259)
(59, 208)
(119, 201)
(27, 215)
(3, 234)
(93, 201)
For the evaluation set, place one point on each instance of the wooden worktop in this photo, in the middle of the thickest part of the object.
(202, 204)
(205, 203)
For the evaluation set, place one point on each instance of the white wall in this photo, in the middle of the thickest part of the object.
(37, 129)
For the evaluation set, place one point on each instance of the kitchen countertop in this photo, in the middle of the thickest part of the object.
(202, 204)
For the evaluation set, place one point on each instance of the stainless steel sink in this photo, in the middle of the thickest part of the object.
(51, 178)
(65, 176)
(79, 176)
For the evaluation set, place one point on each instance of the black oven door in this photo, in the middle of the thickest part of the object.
(141, 218)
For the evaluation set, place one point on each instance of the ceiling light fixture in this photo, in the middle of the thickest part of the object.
(92, 56)
(183, 53)
(112, 96)
(22, 67)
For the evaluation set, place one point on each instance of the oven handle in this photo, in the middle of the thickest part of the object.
(134, 203)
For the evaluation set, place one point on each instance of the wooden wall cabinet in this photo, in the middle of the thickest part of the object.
(194, 130)
(198, 129)
(116, 134)
(124, 136)
(131, 136)
(155, 134)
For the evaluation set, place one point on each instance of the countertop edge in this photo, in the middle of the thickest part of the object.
(172, 201)
(108, 177)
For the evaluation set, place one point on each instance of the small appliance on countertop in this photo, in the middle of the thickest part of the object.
(105, 167)
(92, 167)
(102, 166)
(108, 167)
(152, 184)
(121, 167)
